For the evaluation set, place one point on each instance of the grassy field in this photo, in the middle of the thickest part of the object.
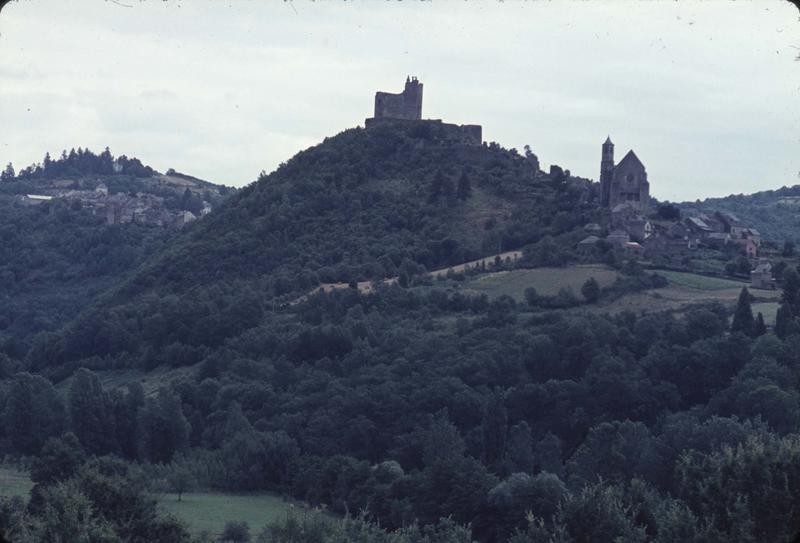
(14, 482)
(546, 281)
(206, 511)
(768, 309)
(701, 282)
(687, 289)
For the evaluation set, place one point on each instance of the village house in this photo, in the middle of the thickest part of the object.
(618, 238)
(587, 244)
(698, 227)
(593, 228)
(731, 224)
(761, 276)
(35, 199)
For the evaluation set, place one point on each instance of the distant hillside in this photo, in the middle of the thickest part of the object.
(73, 229)
(363, 205)
(83, 170)
(774, 213)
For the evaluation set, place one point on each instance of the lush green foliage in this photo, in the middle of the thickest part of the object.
(537, 421)
(79, 163)
(772, 212)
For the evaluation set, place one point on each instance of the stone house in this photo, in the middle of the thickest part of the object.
(698, 227)
(717, 240)
(593, 228)
(587, 244)
(731, 224)
(618, 238)
(761, 276)
(748, 247)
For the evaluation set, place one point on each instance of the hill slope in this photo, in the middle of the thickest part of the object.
(774, 213)
(59, 250)
(363, 205)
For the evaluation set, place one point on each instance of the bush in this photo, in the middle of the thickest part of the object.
(236, 532)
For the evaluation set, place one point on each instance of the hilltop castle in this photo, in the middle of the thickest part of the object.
(625, 183)
(407, 107)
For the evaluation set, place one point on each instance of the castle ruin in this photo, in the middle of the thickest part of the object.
(407, 107)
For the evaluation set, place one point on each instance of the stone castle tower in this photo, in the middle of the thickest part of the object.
(625, 182)
(606, 171)
(406, 108)
(406, 105)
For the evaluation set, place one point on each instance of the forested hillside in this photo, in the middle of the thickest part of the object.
(435, 415)
(58, 252)
(774, 213)
(363, 205)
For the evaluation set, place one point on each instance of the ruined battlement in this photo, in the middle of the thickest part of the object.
(436, 130)
(406, 107)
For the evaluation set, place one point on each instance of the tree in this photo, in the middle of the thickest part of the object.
(464, 189)
(163, 428)
(784, 321)
(743, 316)
(519, 450)
(495, 428)
(235, 532)
(531, 158)
(67, 515)
(759, 328)
(531, 296)
(47, 164)
(668, 212)
(788, 248)
(90, 413)
(126, 407)
(591, 290)
(59, 460)
(33, 413)
(791, 289)
(8, 174)
(441, 441)
(181, 480)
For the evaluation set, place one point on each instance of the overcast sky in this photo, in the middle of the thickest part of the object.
(706, 94)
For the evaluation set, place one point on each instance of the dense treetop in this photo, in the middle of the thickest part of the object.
(440, 416)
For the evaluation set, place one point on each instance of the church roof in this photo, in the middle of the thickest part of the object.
(630, 157)
(608, 140)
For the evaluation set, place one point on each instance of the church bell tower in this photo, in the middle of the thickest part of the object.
(606, 172)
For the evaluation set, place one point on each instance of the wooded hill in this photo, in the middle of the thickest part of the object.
(58, 254)
(530, 419)
(774, 213)
(363, 205)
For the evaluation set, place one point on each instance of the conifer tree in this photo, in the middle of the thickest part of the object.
(519, 450)
(8, 174)
(791, 289)
(591, 290)
(760, 328)
(743, 316)
(495, 428)
(784, 321)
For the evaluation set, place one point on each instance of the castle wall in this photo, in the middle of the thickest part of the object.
(435, 129)
(406, 105)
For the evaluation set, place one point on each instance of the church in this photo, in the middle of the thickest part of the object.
(623, 183)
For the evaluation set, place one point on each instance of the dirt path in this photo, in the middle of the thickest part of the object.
(366, 286)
